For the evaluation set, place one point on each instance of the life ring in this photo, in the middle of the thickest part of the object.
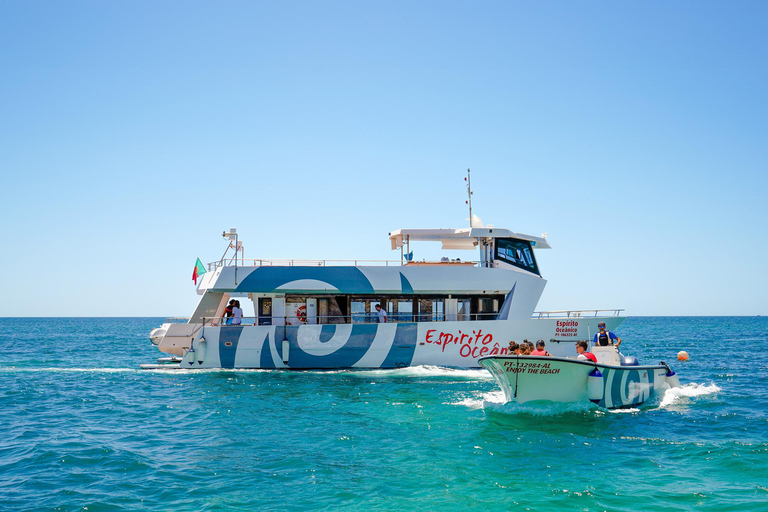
(301, 314)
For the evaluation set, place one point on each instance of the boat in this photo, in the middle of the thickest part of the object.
(322, 314)
(615, 381)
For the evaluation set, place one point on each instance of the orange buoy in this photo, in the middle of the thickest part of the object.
(682, 355)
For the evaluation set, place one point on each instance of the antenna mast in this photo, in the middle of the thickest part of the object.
(469, 196)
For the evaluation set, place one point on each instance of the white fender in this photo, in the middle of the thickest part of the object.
(286, 350)
(202, 345)
(595, 386)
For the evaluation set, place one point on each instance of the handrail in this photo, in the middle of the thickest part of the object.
(372, 318)
(577, 313)
(356, 318)
(261, 262)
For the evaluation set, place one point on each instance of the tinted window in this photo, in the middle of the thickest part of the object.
(516, 252)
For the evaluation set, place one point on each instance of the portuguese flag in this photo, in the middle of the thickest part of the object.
(198, 271)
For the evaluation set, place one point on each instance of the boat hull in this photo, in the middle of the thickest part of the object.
(554, 379)
(391, 345)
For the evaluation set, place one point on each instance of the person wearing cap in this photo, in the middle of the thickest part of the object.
(540, 350)
(605, 338)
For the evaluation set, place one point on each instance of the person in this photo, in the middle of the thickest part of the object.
(228, 311)
(525, 348)
(540, 350)
(605, 338)
(237, 313)
(382, 314)
(581, 348)
(514, 348)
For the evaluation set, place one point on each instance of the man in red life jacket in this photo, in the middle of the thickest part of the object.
(581, 348)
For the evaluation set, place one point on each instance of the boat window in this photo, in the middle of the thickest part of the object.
(360, 311)
(518, 253)
(332, 310)
(425, 310)
(487, 309)
(405, 311)
(438, 310)
(463, 309)
(300, 310)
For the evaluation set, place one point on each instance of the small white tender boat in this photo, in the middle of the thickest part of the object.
(613, 382)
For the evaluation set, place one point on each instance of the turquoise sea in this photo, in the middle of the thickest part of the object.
(83, 428)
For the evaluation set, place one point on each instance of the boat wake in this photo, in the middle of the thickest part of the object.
(539, 408)
(494, 401)
(492, 397)
(411, 371)
(16, 369)
(428, 371)
(679, 395)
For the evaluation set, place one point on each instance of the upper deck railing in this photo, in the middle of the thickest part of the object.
(256, 262)
(583, 313)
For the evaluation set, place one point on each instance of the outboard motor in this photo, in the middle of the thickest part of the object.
(629, 361)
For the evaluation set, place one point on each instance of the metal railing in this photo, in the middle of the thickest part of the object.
(580, 313)
(372, 318)
(356, 318)
(258, 262)
(177, 320)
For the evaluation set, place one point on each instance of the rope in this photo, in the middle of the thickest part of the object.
(517, 372)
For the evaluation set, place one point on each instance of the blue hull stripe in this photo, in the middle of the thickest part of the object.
(345, 279)
(405, 285)
(266, 354)
(403, 347)
(353, 350)
(638, 387)
(229, 334)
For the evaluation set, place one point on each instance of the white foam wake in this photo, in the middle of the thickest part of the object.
(674, 394)
(15, 369)
(426, 371)
(540, 408)
(495, 401)
(490, 399)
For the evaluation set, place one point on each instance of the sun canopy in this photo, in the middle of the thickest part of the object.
(463, 239)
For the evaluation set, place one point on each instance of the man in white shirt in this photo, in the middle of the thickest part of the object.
(382, 314)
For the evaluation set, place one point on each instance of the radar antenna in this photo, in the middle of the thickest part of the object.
(469, 198)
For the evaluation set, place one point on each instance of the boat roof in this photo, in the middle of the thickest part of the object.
(463, 239)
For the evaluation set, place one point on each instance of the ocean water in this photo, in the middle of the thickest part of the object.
(83, 428)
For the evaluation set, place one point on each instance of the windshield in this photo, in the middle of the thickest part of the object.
(516, 252)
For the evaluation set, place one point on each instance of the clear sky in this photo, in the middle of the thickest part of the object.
(133, 132)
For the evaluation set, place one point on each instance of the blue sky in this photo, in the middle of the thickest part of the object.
(133, 133)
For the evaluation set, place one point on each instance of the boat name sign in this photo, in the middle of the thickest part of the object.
(567, 328)
(471, 345)
(537, 368)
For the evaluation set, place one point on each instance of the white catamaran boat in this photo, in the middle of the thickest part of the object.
(321, 314)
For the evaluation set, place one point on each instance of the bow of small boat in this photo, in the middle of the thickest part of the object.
(529, 378)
